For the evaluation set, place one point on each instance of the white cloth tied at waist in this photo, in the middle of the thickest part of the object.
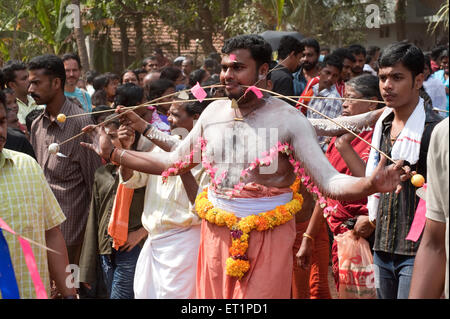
(243, 207)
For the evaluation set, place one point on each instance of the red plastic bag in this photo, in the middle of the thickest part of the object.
(356, 269)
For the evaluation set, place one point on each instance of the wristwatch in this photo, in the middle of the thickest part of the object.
(149, 126)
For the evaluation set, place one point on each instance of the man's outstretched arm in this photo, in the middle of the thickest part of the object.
(330, 182)
(146, 162)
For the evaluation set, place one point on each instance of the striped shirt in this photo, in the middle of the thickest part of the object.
(396, 211)
(29, 207)
(330, 107)
(70, 178)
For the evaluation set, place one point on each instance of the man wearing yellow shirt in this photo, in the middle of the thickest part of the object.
(29, 207)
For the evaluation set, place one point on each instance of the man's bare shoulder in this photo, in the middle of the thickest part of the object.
(285, 113)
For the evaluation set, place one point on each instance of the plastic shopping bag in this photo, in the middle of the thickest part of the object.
(356, 269)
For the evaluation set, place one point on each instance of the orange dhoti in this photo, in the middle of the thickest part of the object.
(270, 256)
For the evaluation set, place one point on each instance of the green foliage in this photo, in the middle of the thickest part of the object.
(33, 27)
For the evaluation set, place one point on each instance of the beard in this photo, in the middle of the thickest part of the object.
(357, 70)
(309, 66)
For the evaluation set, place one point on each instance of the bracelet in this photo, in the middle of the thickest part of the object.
(110, 154)
(120, 157)
(308, 236)
(148, 127)
(372, 224)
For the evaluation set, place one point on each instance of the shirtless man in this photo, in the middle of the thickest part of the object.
(235, 137)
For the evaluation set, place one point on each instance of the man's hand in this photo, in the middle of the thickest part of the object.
(101, 142)
(362, 227)
(386, 179)
(131, 119)
(304, 253)
(126, 136)
(133, 239)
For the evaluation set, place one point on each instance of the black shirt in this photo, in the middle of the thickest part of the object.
(17, 141)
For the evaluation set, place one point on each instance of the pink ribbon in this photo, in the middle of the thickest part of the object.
(198, 92)
(30, 260)
(419, 221)
(255, 90)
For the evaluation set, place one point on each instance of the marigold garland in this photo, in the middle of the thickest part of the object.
(238, 264)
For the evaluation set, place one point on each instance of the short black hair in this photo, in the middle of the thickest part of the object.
(170, 73)
(129, 94)
(408, 54)
(157, 88)
(3, 100)
(72, 56)
(196, 107)
(112, 76)
(100, 82)
(436, 52)
(96, 116)
(139, 71)
(148, 59)
(312, 43)
(344, 54)
(53, 66)
(196, 76)
(427, 62)
(443, 54)
(9, 70)
(31, 117)
(357, 49)
(90, 76)
(333, 60)
(260, 49)
(126, 71)
(287, 45)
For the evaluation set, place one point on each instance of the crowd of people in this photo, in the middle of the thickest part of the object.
(128, 205)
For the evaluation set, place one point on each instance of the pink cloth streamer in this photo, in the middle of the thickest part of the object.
(30, 260)
(255, 90)
(198, 92)
(419, 221)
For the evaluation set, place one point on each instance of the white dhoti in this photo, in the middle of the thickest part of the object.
(167, 265)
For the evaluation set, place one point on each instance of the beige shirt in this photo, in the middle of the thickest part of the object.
(438, 183)
(167, 206)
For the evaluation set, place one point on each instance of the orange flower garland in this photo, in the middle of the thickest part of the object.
(238, 264)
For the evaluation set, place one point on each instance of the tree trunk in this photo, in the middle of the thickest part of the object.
(138, 27)
(225, 8)
(400, 20)
(124, 41)
(81, 44)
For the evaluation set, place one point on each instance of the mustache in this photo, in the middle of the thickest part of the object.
(34, 96)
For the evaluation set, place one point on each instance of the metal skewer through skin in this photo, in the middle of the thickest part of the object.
(146, 104)
(132, 108)
(330, 119)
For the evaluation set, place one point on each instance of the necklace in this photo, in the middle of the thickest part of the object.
(236, 118)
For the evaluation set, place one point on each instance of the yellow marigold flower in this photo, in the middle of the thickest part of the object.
(237, 268)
